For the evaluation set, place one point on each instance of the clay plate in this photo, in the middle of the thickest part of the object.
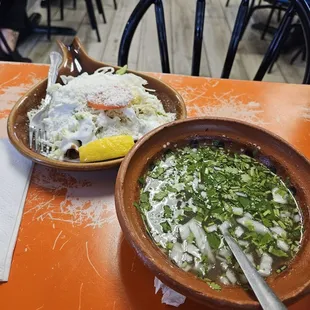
(75, 62)
(291, 284)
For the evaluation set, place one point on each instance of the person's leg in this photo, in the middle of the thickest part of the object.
(12, 20)
(11, 37)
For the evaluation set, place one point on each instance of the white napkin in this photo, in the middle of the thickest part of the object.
(170, 297)
(15, 172)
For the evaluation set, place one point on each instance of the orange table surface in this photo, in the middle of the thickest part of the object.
(70, 252)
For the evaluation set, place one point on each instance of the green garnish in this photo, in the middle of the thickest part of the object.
(213, 240)
(279, 270)
(169, 246)
(122, 70)
(215, 286)
(277, 252)
(168, 212)
(160, 196)
(144, 197)
(141, 181)
(212, 284)
(165, 226)
(184, 203)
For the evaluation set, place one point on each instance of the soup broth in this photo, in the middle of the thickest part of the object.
(189, 192)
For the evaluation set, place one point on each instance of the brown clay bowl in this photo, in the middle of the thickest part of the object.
(289, 285)
(75, 62)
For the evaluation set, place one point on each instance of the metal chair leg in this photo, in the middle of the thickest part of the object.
(115, 4)
(235, 38)
(296, 55)
(304, 53)
(92, 17)
(285, 36)
(198, 36)
(276, 43)
(48, 5)
(162, 36)
(130, 29)
(101, 10)
(274, 5)
(278, 53)
(279, 15)
(273, 62)
(251, 10)
(61, 9)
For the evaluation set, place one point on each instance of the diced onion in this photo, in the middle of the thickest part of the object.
(176, 254)
(258, 227)
(184, 231)
(239, 231)
(224, 280)
(212, 228)
(231, 276)
(296, 218)
(282, 245)
(277, 197)
(265, 265)
(201, 240)
(278, 231)
(193, 250)
(237, 211)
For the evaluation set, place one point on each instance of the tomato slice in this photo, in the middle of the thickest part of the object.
(102, 106)
(114, 98)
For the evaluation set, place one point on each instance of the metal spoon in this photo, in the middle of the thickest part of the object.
(263, 292)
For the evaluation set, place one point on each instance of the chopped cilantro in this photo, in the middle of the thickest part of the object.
(205, 186)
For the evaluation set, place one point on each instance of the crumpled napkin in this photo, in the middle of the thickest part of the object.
(170, 297)
(15, 172)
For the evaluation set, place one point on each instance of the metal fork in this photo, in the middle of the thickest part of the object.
(37, 133)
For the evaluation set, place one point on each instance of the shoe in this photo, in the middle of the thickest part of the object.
(14, 56)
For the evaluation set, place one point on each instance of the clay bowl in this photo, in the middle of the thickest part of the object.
(75, 62)
(273, 151)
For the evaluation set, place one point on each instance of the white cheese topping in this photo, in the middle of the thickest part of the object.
(70, 121)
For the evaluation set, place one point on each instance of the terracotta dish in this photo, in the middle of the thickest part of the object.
(272, 150)
(75, 62)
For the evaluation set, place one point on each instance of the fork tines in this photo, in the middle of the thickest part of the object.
(38, 139)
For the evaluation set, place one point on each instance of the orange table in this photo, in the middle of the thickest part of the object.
(70, 252)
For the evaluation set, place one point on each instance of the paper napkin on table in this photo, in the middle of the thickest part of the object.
(15, 172)
(170, 297)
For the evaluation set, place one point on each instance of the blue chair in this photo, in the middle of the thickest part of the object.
(300, 8)
(228, 1)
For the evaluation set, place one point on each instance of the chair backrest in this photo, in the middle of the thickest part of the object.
(296, 7)
(134, 20)
(131, 26)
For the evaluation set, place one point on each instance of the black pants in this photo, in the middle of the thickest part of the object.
(13, 14)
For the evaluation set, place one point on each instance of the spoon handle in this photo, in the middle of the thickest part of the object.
(263, 292)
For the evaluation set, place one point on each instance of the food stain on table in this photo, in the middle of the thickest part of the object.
(12, 89)
(71, 197)
(209, 99)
